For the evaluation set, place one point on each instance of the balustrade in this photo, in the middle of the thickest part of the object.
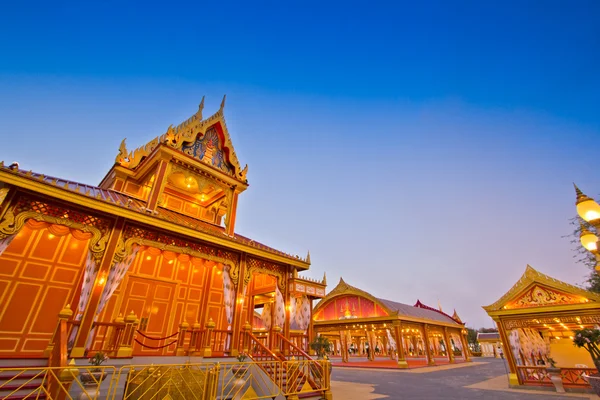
(538, 376)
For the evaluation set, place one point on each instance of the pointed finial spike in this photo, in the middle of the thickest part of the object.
(223, 102)
(308, 257)
(577, 191)
(324, 278)
(200, 108)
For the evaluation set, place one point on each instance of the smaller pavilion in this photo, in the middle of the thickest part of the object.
(490, 344)
(536, 319)
(361, 325)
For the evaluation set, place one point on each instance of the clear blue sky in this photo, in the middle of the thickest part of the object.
(418, 150)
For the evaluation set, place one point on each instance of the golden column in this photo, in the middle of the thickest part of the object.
(430, 359)
(397, 326)
(236, 327)
(466, 350)
(513, 378)
(449, 351)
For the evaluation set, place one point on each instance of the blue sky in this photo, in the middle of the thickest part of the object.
(418, 150)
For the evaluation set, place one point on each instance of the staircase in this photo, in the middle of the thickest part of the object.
(22, 378)
(296, 374)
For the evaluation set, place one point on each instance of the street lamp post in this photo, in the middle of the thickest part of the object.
(589, 211)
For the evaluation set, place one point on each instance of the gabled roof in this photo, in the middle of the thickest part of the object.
(182, 138)
(127, 202)
(535, 289)
(488, 336)
(419, 310)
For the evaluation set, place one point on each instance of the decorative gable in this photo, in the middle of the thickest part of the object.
(208, 148)
(535, 289)
(540, 295)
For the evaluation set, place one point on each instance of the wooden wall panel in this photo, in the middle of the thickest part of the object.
(174, 291)
(39, 274)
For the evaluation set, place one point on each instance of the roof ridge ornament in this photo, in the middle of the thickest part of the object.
(200, 108)
(222, 103)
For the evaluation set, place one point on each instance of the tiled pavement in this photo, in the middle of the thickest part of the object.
(485, 379)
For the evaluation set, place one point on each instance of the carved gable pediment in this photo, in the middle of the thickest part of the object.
(535, 289)
(208, 148)
(540, 295)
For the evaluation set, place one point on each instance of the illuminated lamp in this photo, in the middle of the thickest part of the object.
(588, 240)
(587, 208)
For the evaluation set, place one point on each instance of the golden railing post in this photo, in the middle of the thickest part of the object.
(180, 350)
(126, 347)
(195, 346)
(63, 316)
(327, 395)
(210, 326)
(61, 380)
(117, 336)
(246, 341)
(275, 339)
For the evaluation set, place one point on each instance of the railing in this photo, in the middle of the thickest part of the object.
(305, 376)
(574, 376)
(156, 341)
(221, 341)
(256, 350)
(177, 382)
(57, 383)
(300, 340)
(249, 380)
(106, 337)
(289, 349)
(538, 376)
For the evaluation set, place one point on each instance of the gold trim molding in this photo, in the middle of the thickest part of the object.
(127, 248)
(13, 224)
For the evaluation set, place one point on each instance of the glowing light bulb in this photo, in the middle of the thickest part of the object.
(51, 236)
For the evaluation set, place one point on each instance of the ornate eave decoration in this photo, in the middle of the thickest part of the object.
(343, 289)
(256, 265)
(532, 279)
(184, 134)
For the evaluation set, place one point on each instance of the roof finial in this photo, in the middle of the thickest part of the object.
(440, 305)
(223, 103)
(308, 257)
(324, 278)
(581, 197)
(200, 108)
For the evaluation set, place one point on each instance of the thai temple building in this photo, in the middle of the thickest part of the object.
(536, 319)
(148, 263)
(361, 325)
(490, 344)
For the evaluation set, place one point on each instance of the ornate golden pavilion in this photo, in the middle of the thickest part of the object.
(536, 319)
(360, 324)
(148, 262)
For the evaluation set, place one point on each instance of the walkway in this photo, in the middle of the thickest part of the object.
(483, 379)
(387, 363)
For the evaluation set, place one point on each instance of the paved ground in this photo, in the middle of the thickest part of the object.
(482, 380)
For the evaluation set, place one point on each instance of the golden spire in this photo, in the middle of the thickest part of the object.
(580, 195)
(308, 257)
(200, 108)
(223, 103)
(324, 278)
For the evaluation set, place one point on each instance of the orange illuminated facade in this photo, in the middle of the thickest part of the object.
(148, 262)
(359, 324)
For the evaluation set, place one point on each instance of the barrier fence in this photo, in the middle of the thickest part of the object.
(203, 381)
